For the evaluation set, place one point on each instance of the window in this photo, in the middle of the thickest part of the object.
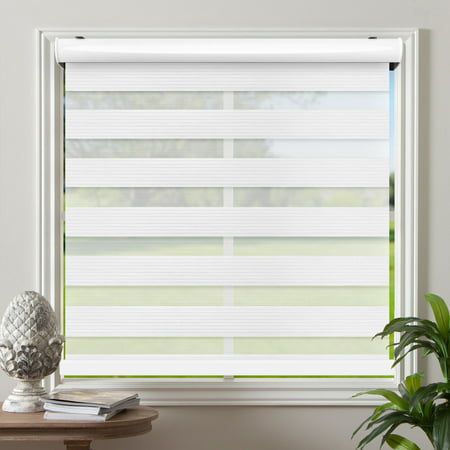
(229, 208)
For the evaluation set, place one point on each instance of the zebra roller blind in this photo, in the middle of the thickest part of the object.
(226, 218)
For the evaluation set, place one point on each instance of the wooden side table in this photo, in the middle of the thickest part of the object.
(76, 435)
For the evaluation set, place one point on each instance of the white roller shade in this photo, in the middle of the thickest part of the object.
(227, 206)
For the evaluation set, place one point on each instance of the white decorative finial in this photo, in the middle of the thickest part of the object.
(30, 349)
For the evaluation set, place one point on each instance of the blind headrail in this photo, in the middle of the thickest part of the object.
(228, 50)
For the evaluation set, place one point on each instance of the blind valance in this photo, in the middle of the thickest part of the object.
(228, 50)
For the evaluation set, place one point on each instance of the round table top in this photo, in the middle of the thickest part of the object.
(33, 426)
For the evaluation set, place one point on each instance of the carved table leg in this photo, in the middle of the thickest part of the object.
(78, 445)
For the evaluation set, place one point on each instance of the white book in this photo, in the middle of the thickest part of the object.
(88, 397)
(71, 408)
(49, 415)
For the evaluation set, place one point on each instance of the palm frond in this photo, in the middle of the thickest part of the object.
(441, 428)
(441, 313)
(389, 422)
(388, 395)
(400, 443)
(427, 407)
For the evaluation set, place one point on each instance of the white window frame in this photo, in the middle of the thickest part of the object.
(228, 391)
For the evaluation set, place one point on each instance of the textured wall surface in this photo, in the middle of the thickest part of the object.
(219, 428)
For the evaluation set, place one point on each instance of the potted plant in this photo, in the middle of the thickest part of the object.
(426, 407)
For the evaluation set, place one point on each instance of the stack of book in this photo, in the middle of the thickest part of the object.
(88, 405)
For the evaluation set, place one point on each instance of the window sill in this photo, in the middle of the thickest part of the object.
(158, 392)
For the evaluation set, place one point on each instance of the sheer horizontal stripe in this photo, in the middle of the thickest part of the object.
(292, 100)
(227, 270)
(190, 148)
(225, 321)
(213, 148)
(242, 246)
(227, 77)
(284, 148)
(252, 172)
(162, 246)
(317, 101)
(213, 296)
(274, 197)
(306, 246)
(202, 100)
(92, 197)
(151, 345)
(227, 221)
(144, 296)
(297, 197)
(97, 366)
(226, 124)
(318, 346)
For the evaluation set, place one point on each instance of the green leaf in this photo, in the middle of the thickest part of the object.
(382, 408)
(388, 422)
(441, 428)
(422, 331)
(399, 359)
(441, 314)
(413, 383)
(429, 392)
(400, 443)
(396, 325)
(388, 395)
(378, 411)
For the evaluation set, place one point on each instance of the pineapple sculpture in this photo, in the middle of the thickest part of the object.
(30, 349)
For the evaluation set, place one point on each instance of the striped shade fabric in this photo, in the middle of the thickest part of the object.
(227, 219)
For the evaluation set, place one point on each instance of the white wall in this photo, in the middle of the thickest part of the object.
(214, 428)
